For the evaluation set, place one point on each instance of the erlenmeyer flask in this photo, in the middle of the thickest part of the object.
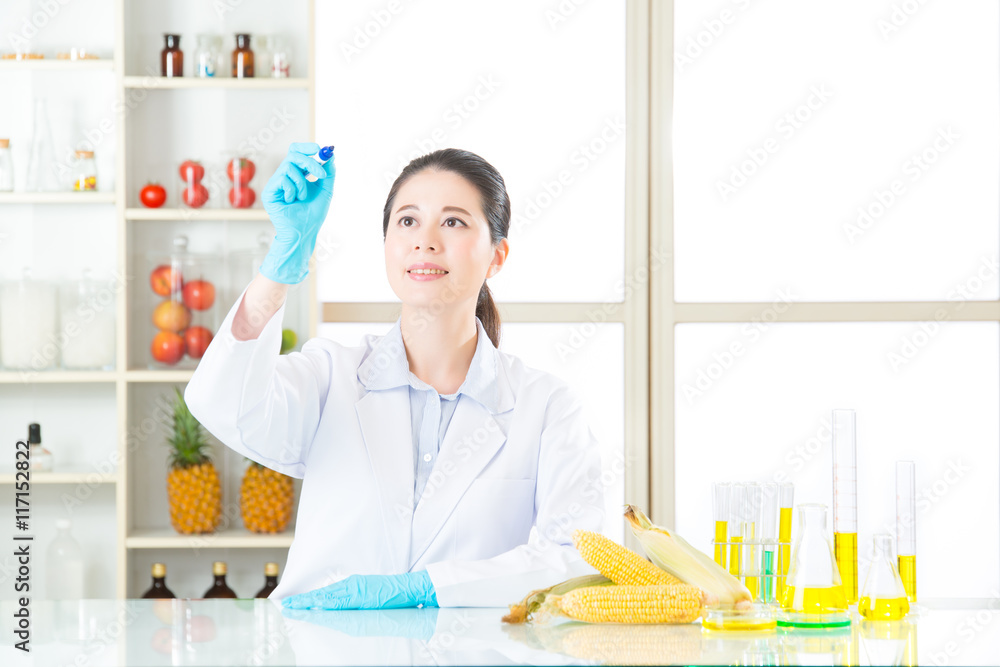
(883, 597)
(42, 175)
(814, 596)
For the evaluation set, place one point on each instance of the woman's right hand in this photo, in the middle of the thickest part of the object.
(297, 209)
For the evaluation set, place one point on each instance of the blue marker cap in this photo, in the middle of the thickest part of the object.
(326, 152)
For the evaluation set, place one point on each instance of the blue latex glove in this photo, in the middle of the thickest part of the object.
(369, 591)
(297, 209)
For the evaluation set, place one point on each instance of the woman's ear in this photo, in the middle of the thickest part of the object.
(501, 252)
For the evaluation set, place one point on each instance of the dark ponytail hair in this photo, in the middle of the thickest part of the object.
(493, 199)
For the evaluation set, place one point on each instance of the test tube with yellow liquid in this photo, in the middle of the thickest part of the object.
(906, 527)
(845, 501)
(737, 497)
(786, 495)
(720, 509)
(751, 538)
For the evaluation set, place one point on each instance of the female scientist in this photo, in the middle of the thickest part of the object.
(427, 456)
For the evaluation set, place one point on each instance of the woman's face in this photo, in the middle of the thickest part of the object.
(437, 218)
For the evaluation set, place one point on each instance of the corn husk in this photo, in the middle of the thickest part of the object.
(523, 610)
(671, 552)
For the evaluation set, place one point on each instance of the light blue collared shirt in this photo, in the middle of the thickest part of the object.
(431, 412)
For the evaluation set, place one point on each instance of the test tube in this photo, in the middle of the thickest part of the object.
(786, 496)
(906, 527)
(720, 508)
(751, 537)
(737, 496)
(769, 540)
(845, 501)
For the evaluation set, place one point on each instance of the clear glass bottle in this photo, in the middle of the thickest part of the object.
(242, 58)
(814, 593)
(64, 565)
(41, 458)
(219, 588)
(84, 172)
(263, 47)
(207, 58)
(281, 56)
(159, 588)
(88, 321)
(6, 167)
(29, 324)
(883, 597)
(171, 57)
(270, 580)
(42, 174)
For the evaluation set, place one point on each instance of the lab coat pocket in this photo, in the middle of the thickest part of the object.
(496, 515)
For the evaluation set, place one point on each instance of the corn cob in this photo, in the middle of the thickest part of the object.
(522, 611)
(634, 644)
(619, 564)
(671, 552)
(629, 604)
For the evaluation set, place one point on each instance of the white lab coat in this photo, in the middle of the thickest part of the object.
(535, 463)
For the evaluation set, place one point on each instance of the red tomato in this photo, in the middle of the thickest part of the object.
(199, 294)
(197, 340)
(152, 195)
(165, 280)
(167, 347)
(191, 171)
(240, 170)
(195, 195)
(242, 197)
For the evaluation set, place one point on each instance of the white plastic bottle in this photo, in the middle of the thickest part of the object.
(64, 566)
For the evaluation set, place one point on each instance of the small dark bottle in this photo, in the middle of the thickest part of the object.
(242, 58)
(159, 588)
(171, 57)
(270, 580)
(219, 589)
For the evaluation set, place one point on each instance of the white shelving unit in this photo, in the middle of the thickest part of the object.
(161, 123)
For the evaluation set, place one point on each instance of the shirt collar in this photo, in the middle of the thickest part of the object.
(386, 367)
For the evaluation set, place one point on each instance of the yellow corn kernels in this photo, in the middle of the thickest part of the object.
(630, 604)
(619, 564)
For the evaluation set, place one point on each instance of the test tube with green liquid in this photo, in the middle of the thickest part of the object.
(769, 541)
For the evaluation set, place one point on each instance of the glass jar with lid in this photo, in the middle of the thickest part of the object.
(29, 324)
(208, 56)
(183, 305)
(87, 320)
(84, 172)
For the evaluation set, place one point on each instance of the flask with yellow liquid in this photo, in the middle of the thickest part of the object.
(813, 596)
(883, 597)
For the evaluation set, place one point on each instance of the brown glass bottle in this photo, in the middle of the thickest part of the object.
(242, 58)
(171, 57)
(159, 588)
(219, 589)
(270, 580)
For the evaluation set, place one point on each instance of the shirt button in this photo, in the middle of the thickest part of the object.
(427, 457)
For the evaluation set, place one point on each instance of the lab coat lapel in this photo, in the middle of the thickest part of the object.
(385, 422)
(472, 439)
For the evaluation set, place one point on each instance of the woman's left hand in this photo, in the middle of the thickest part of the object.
(369, 591)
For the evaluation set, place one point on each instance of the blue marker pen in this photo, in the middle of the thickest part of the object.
(325, 153)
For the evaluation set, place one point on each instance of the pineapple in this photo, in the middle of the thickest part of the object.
(192, 484)
(265, 499)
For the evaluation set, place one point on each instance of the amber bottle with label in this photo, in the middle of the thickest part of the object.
(242, 58)
(219, 589)
(171, 57)
(159, 588)
(270, 580)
